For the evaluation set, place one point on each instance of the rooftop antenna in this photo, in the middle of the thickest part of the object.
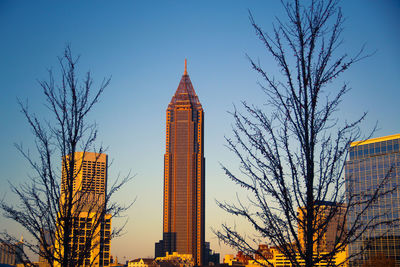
(185, 73)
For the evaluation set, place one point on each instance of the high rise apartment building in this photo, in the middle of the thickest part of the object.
(91, 226)
(369, 163)
(184, 180)
(89, 180)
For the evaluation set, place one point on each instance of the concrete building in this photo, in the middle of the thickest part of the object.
(91, 231)
(176, 259)
(115, 263)
(280, 260)
(330, 223)
(89, 180)
(272, 257)
(184, 177)
(142, 262)
(12, 253)
(371, 162)
(324, 242)
(210, 257)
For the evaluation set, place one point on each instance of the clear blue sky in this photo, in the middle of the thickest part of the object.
(142, 45)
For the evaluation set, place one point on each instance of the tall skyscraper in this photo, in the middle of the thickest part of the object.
(369, 163)
(91, 226)
(184, 180)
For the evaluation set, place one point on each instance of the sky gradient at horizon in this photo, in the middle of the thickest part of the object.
(142, 45)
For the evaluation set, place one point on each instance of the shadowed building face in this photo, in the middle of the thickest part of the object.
(183, 218)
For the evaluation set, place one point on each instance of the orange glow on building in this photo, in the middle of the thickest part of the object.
(89, 180)
(184, 181)
(328, 221)
(91, 226)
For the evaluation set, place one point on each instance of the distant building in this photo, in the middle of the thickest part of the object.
(326, 237)
(228, 259)
(115, 263)
(263, 252)
(324, 243)
(175, 260)
(12, 254)
(142, 262)
(91, 227)
(272, 257)
(243, 258)
(46, 242)
(184, 176)
(240, 259)
(280, 260)
(369, 163)
(210, 257)
(7, 254)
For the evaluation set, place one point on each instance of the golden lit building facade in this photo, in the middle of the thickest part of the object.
(329, 225)
(273, 257)
(175, 259)
(91, 227)
(142, 262)
(184, 180)
(371, 162)
(11, 253)
(88, 180)
(280, 260)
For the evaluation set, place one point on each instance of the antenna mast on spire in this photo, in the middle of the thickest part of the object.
(185, 73)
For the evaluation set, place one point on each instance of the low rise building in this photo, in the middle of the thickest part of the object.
(11, 254)
(175, 259)
(115, 263)
(273, 257)
(240, 259)
(142, 262)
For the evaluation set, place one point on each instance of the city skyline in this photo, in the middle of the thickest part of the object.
(144, 56)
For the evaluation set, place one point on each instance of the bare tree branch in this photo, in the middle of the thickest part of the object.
(51, 207)
(292, 156)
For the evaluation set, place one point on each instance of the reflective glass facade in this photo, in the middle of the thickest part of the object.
(370, 162)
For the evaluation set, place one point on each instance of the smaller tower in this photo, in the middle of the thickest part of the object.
(91, 231)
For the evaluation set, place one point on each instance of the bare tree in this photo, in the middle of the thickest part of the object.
(54, 206)
(292, 153)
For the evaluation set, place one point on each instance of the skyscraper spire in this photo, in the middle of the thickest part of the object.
(185, 73)
(184, 176)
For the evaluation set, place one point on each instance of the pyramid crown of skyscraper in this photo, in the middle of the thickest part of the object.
(185, 93)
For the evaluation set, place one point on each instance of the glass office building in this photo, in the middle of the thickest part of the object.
(370, 163)
(184, 176)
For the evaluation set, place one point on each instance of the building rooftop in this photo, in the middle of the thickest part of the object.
(375, 140)
(145, 260)
(185, 93)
